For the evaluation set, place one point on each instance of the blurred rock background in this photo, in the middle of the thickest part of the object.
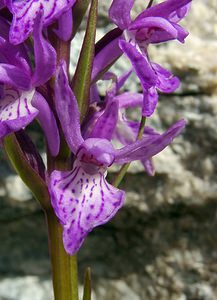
(162, 245)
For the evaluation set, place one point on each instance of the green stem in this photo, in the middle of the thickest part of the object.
(64, 266)
(123, 170)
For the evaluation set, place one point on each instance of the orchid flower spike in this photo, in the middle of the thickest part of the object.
(82, 198)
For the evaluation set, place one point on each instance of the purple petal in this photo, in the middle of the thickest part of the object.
(67, 109)
(182, 33)
(127, 131)
(45, 55)
(119, 82)
(16, 111)
(144, 149)
(82, 202)
(178, 14)
(173, 10)
(14, 76)
(149, 166)
(150, 100)
(119, 12)
(25, 12)
(94, 94)
(96, 153)
(153, 24)
(167, 82)
(14, 55)
(4, 28)
(65, 26)
(140, 64)
(106, 123)
(128, 99)
(47, 122)
(106, 57)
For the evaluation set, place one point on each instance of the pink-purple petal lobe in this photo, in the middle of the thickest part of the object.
(48, 123)
(16, 111)
(118, 83)
(149, 166)
(14, 55)
(65, 26)
(105, 57)
(154, 23)
(150, 100)
(173, 10)
(146, 148)
(45, 55)
(25, 12)
(67, 109)
(106, 123)
(119, 12)
(128, 99)
(166, 83)
(13, 76)
(140, 64)
(96, 153)
(82, 202)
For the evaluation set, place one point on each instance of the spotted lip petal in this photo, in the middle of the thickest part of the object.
(16, 111)
(25, 11)
(82, 202)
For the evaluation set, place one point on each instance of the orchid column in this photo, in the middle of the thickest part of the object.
(80, 127)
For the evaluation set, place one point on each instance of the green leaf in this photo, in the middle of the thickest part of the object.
(78, 11)
(87, 285)
(29, 176)
(82, 78)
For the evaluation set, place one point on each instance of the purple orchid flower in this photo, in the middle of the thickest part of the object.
(126, 131)
(25, 12)
(82, 198)
(20, 103)
(154, 25)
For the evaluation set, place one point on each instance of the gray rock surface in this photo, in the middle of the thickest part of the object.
(162, 245)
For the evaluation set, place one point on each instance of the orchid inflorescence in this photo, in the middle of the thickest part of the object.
(35, 84)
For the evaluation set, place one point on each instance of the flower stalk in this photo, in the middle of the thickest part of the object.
(64, 266)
